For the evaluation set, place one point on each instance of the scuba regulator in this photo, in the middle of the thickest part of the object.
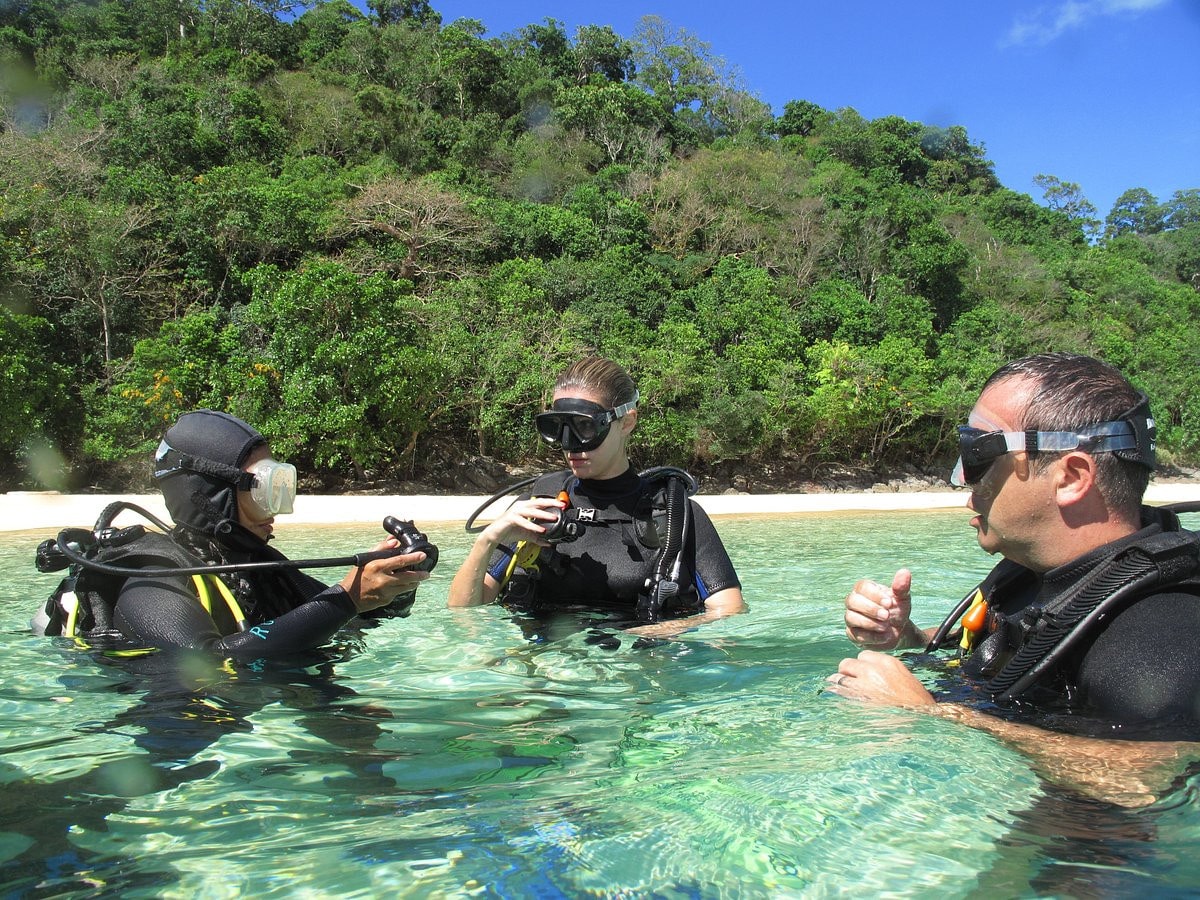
(411, 541)
(78, 547)
(662, 589)
(568, 524)
(99, 559)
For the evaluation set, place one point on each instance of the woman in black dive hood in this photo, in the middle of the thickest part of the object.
(223, 490)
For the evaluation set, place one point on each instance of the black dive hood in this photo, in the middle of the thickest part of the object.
(199, 469)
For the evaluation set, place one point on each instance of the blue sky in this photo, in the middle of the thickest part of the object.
(1104, 93)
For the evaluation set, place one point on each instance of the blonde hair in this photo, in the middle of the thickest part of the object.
(598, 376)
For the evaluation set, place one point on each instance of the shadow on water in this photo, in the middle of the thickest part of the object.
(480, 752)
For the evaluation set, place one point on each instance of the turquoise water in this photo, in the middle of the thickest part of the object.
(444, 755)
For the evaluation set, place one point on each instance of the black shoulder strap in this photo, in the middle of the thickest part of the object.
(662, 586)
(1161, 559)
(151, 550)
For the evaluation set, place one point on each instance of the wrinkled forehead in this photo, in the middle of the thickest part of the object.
(1002, 406)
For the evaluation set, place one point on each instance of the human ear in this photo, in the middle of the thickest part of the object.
(629, 422)
(1075, 476)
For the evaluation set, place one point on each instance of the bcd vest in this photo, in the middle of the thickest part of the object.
(660, 522)
(1018, 650)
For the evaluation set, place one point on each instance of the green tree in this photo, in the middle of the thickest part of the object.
(1136, 211)
(346, 382)
(188, 364)
(601, 52)
(35, 404)
(864, 399)
(697, 91)
(548, 161)
(507, 319)
(677, 68)
(233, 218)
(755, 339)
(390, 12)
(1067, 197)
(249, 26)
(619, 118)
(800, 118)
(322, 28)
(1183, 208)
(469, 66)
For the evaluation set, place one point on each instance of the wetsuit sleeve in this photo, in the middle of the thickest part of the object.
(714, 569)
(498, 564)
(1145, 666)
(164, 612)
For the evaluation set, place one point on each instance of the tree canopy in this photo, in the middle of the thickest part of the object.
(378, 235)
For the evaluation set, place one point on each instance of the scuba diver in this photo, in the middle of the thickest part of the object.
(169, 609)
(212, 582)
(1082, 646)
(600, 535)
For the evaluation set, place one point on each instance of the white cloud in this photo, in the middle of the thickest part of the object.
(1045, 24)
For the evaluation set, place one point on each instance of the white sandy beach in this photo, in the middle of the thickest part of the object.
(29, 510)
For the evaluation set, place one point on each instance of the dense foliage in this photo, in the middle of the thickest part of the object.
(378, 236)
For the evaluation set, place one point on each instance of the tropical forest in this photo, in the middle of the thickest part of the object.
(378, 236)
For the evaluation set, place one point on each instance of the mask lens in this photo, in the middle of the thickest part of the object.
(550, 426)
(978, 449)
(588, 428)
(573, 431)
(965, 476)
(274, 488)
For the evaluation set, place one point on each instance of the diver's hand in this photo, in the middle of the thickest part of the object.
(378, 582)
(878, 617)
(525, 520)
(879, 678)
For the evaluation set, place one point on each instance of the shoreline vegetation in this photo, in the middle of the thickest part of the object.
(37, 510)
(375, 234)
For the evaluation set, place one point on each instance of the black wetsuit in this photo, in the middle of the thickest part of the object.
(286, 611)
(182, 710)
(1138, 671)
(608, 565)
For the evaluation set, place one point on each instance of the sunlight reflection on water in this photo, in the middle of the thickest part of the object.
(445, 755)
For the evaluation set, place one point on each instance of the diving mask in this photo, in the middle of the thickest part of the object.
(1131, 437)
(273, 486)
(579, 426)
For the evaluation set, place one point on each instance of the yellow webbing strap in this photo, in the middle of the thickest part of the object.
(201, 582)
(70, 602)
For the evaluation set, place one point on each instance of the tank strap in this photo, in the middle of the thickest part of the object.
(525, 556)
(662, 588)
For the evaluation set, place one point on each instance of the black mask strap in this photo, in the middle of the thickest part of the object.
(1144, 430)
